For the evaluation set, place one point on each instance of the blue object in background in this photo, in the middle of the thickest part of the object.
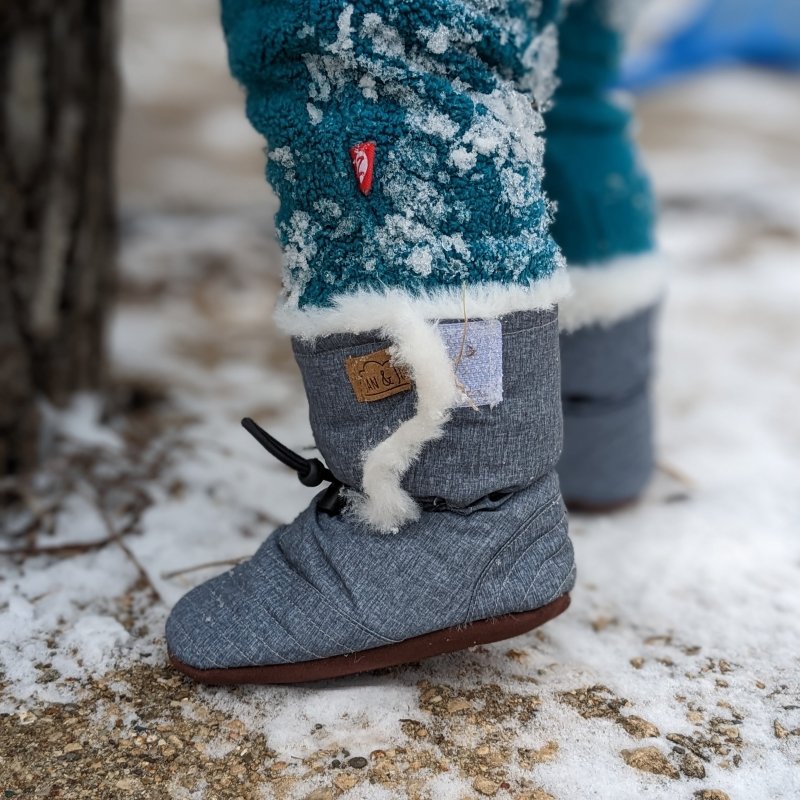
(721, 32)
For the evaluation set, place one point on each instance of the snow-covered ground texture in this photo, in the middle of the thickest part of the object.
(676, 673)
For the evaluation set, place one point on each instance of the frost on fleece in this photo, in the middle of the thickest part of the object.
(444, 89)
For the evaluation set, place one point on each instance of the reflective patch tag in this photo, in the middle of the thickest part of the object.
(476, 348)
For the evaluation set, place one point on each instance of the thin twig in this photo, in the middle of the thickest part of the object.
(58, 549)
(116, 537)
(225, 562)
(460, 356)
(676, 474)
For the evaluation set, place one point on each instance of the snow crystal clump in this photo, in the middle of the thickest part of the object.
(516, 188)
(462, 159)
(437, 40)
(300, 248)
(367, 85)
(386, 41)
(540, 60)
(328, 209)
(314, 113)
(344, 40)
(421, 261)
(434, 123)
(509, 129)
(282, 156)
(285, 158)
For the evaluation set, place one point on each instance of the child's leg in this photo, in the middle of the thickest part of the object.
(455, 195)
(604, 224)
(404, 148)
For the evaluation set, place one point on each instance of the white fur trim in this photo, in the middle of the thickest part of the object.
(370, 309)
(603, 294)
(384, 504)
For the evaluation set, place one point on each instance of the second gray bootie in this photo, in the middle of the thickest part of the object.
(606, 392)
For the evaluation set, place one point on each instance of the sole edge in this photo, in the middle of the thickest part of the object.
(417, 648)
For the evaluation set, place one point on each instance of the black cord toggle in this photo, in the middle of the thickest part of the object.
(310, 471)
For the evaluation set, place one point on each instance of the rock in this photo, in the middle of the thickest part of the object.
(601, 623)
(711, 794)
(637, 662)
(458, 704)
(692, 766)
(533, 794)
(73, 747)
(345, 781)
(485, 787)
(321, 794)
(431, 696)
(780, 731)
(540, 756)
(649, 759)
(639, 728)
(358, 762)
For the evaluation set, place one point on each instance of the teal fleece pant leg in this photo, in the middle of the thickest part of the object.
(434, 93)
(604, 224)
(605, 206)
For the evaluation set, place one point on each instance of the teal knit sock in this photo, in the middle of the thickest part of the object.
(605, 210)
(592, 170)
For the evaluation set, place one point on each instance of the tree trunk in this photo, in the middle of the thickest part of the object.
(58, 87)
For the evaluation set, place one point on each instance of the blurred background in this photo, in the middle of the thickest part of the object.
(148, 486)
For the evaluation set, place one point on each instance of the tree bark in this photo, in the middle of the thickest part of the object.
(59, 90)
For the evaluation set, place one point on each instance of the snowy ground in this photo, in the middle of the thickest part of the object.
(675, 673)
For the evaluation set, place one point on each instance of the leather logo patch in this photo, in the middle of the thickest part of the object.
(374, 377)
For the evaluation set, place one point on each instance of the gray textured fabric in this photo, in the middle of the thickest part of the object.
(608, 418)
(482, 451)
(322, 586)
(325, 585)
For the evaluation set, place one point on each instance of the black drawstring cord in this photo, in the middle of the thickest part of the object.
(310, 471)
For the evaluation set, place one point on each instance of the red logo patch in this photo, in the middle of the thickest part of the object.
(363, 157)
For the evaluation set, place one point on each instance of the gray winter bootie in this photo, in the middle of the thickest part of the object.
(606, 377)
(481, 554)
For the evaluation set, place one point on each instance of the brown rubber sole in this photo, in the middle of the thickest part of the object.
(418, 648)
